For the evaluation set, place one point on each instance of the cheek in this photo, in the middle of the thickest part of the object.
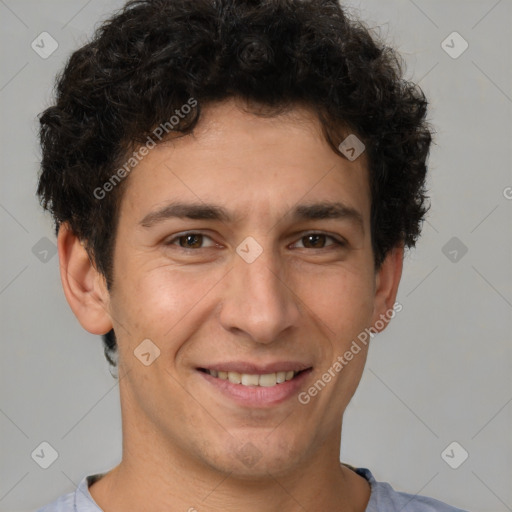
(342, 299)
(161, 304)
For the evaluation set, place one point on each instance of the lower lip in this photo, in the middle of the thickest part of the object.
(258, 396)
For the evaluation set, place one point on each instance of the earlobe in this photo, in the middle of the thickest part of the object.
(84, 287)
(387, 280)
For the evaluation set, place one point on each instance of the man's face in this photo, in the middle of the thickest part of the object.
(274, 274)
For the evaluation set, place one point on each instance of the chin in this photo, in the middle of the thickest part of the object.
(254, 455)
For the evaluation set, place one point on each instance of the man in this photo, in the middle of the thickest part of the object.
(233, 185)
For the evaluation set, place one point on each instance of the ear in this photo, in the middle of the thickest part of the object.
(84, 287)
(387, 279)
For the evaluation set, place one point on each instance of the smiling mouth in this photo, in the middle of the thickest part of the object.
(261, 380)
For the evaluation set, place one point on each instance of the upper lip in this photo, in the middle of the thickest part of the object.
(259, 369)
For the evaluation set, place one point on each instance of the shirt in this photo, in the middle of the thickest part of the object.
(383, 498)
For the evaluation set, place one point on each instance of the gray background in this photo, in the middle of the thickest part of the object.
(440, 373)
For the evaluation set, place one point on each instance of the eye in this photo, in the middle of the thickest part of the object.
(318, 241)
(192, 241)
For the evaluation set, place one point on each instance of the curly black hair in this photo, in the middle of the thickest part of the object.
(150, 58)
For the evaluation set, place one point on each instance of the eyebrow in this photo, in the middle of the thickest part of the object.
(204, 211)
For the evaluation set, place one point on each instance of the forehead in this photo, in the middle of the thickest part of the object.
(248, 163)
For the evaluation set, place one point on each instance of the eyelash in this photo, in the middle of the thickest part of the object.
(172, 241)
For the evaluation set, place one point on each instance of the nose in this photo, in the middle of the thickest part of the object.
(258, 299)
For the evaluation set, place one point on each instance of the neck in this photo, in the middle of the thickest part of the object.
(155, 473)
(144, 478)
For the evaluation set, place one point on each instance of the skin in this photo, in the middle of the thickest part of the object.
(302, 299)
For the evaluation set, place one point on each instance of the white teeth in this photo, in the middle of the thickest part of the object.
(249, 380)
(235, 377)
(270, 379)
(246, 379)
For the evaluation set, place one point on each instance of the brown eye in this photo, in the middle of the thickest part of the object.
(314, 241)
(193, 241)
(319, 241)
